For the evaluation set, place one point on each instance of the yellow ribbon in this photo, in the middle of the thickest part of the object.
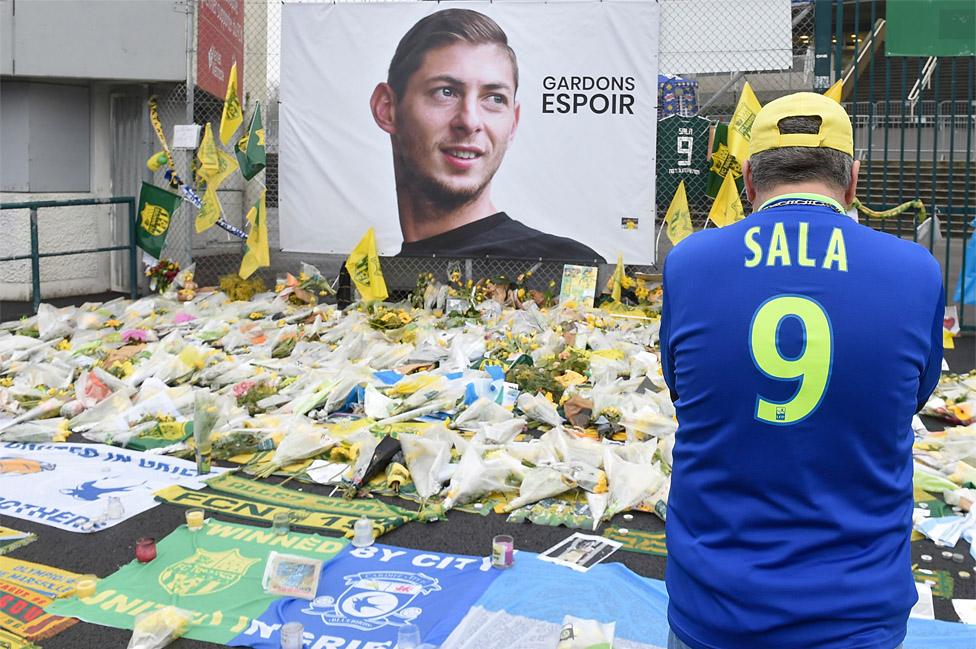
(894, 211)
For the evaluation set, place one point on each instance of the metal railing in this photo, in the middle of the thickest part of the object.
(36, 255)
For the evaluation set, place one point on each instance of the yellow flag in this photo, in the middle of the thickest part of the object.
(727, 208)
(740, 128)
(835, 91)
(364, 269)
(256, 253)
(678, 219)
(232, 117)
(618, 279)
(207, 155)
(226, 165)
(209, 213)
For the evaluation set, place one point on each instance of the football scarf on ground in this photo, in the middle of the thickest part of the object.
(10, 641)
(22, 612)
(366, 594)
(26, 590)
(640, 541)
(52, 582)
(339, 518)
(385, 517)
(12, 539)
(215, 573)
(68, 485)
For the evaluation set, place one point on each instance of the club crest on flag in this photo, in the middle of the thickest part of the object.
(154, 219)
(373, 600)
(723, 163)
(23, 466)
(205, 573)
(88, 491)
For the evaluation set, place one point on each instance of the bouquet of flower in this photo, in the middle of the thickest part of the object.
(162, 274)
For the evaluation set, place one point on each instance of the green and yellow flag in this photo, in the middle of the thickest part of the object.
(156, 208)
(678, 219)
(250, 148)
(740, 128)
(836, 91)
(722, 162)
(364, 269)
(256, 253)
(207, 154)
(232, 117)
(727, 208)
(617, 279)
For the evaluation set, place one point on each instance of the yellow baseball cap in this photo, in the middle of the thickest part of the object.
(835, 125)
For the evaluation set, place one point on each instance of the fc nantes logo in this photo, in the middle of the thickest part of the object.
(205, 573)
(155, 219)
(373, 600)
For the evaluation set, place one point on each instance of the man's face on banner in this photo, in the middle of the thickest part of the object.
(455, 121)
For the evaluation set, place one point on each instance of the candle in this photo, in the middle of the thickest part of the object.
(85, 586)
(194, 519)
(145, 550)
(502, 551)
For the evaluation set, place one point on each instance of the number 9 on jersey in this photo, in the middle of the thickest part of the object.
(811, 368)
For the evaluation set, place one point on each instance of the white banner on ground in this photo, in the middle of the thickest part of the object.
(68, 485)
(573, 145)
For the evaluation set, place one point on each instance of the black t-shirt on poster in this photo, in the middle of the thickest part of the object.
(499, 235)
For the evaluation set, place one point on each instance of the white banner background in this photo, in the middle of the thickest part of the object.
(571, 175)
(68, 485)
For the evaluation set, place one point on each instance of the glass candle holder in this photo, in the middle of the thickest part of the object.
(503, 551)
(145, 549)
(291, 635)
(408, 636)
(281, 523)
(194, 519)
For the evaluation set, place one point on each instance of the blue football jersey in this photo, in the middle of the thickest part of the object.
(798, 345)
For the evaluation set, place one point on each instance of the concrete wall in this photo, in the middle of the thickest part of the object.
(94, 39)
(66, 228)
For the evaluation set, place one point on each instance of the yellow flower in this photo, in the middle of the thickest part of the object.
(113, 323)
(6, 381)
(404, 318)
(255, 315)
(64, 345)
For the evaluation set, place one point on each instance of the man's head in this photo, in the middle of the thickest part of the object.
(801, 142)
(449, 105)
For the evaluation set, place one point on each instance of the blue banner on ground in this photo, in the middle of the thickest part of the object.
(525, 606)
(366, 594)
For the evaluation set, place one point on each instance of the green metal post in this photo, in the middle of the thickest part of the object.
(918, 151)
(35, 261)
(904, 103)
(952, 156)
(935, 161)
(133, 272)
(884, 170)
(967, 206)
(874, 50)
(839, 41)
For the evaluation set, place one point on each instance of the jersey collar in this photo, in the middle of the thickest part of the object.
(807, 196)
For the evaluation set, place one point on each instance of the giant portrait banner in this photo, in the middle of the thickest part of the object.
(573, 144)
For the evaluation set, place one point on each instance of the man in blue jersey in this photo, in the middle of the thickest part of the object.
(797, 345)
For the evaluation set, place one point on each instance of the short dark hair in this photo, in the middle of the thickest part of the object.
(792, 164)
(441, 28)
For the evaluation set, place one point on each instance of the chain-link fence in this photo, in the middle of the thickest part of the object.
(913, 134)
